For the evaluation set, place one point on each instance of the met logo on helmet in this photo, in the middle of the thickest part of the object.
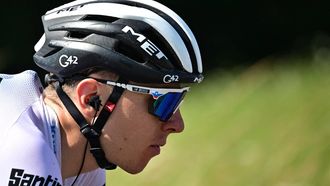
(69, 9)
(198, 79)
(146, 44)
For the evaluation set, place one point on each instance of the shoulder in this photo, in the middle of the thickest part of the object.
(25, 87)
(17, 93)
(20, 79)
(19, 89)
(25, 155)
(25, 151)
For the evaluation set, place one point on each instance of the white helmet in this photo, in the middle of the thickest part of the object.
(140, 40)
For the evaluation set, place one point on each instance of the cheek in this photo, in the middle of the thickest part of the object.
(132, 119)
(129, 132)
(134, 109)
(133, 112)
(126, 129)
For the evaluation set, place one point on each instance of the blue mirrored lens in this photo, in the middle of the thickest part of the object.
(166, 105)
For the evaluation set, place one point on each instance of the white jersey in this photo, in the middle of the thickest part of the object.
(30, 150)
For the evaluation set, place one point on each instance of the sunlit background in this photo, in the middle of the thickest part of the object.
(262, 115)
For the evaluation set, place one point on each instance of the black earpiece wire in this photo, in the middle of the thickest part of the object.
(83, 160)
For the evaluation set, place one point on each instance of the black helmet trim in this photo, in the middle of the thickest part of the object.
(93, 7)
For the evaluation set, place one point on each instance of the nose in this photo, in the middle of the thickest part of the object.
(175, 124)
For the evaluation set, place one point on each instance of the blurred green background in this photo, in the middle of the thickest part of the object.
(265, 126)
(260, 118)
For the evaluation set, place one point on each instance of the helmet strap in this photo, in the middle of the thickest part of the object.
(92, 132)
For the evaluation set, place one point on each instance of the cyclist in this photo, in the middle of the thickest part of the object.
(117, 73)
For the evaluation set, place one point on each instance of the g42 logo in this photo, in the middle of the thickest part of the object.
(170, 78)
(65, 60)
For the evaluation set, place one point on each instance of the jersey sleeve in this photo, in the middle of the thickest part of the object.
(26, 158)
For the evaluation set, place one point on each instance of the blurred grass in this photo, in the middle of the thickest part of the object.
(266, 126)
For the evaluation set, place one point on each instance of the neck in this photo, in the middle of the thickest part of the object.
(72, 145)
(73, 152)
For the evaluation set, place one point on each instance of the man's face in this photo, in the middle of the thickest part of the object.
(132, 136)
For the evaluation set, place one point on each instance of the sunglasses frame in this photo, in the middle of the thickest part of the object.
(154, 92)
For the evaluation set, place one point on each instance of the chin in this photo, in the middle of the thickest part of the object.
(134, 171)
(135, 168)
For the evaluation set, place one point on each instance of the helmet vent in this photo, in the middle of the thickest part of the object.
(81, 34)
(107, 19)
(77, 35)
(54, 51)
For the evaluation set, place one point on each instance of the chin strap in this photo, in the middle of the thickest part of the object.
(92, 132)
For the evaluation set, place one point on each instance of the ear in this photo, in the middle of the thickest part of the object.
(84, 91)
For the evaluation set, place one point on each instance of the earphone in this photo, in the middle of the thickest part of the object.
(95, 102)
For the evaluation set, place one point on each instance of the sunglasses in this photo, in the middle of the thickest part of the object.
(165, 102)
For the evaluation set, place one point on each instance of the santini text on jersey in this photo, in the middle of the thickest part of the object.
(18, 177)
